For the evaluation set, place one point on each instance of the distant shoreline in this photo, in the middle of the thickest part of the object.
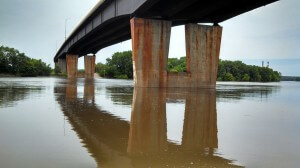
(8, 75)
(290, 78)
(4, 75)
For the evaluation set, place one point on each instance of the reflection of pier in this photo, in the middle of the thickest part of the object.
(143, 142)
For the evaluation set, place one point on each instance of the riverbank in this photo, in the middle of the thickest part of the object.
(8, 75)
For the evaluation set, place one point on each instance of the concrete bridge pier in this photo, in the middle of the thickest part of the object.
(62, 64)
(202, 54)
(72, 63)
(89, 66)
(150, 48)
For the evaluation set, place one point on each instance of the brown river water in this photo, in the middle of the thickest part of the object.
(54, 122)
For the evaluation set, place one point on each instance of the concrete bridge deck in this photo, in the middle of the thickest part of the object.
(108, 22)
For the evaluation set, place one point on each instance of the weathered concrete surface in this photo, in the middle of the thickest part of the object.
(202, 53)
(150, 48)
(89, 66)
(202, 58)
(62, 64)
(72, 63)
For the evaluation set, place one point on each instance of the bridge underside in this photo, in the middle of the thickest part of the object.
(100, 31)
(197, 11)
(110, 23)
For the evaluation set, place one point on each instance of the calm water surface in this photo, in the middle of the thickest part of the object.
(53, 122)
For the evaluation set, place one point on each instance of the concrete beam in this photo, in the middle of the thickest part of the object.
(150, 48)
(72, 63)
(89, 66)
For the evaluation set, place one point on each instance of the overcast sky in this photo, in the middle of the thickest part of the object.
(36, 27)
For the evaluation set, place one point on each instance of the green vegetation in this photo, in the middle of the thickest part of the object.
(238, 71)
(16, 63)
(120, 66)
(232, 71)
(177, 65)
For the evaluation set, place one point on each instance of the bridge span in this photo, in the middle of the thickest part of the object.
(148, 23)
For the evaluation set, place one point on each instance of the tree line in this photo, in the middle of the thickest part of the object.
(238, 71)
(290, 78)
(120, 66)
(16, 63)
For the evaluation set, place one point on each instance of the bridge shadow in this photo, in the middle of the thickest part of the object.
(143, 141)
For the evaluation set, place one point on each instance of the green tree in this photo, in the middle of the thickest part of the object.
(177, 65)
(119, 66)
(229, 77)
(14, 62)
(246, 77)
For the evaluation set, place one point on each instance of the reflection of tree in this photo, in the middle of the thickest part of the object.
(120, 95)
(123, 95)
(143, 142)
(11, 94)
(237, 92)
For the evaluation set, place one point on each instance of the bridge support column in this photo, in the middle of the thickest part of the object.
(61, 63)
(72, 63)
(202, 54)
(89, 66)
(150, 48)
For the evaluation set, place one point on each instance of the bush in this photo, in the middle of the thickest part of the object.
(121, 77)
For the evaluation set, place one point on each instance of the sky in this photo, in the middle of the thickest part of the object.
(270, 33)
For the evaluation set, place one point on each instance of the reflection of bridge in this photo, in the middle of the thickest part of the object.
(143, 142)
(148, 23)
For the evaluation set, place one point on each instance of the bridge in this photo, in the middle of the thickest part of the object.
(148, 23)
